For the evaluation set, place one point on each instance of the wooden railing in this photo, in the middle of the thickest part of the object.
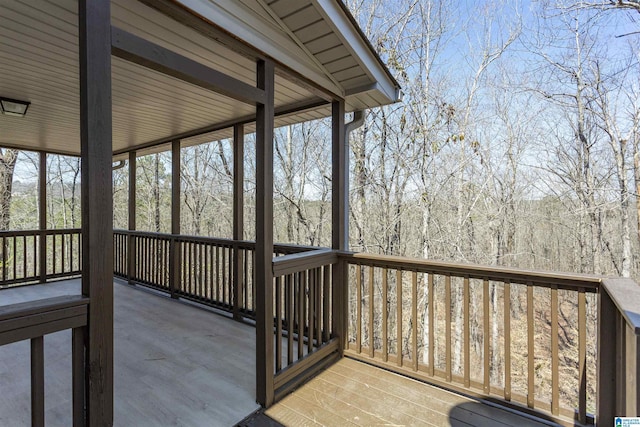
(522, 338)
(31, 256)
(201, 269)
(560, 346)
(618, 350)
(32, 321)
(304, 339)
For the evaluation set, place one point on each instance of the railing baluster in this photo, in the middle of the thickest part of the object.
(467, 347)
(24, 257)
(278, 301)
(555, 395)
(385, 310)
(326, 300)
(62, 253)
(530, 347)
(54, 267)
(15, 259)
(582, 356)
(224, 275)
(289, 281)
(414, 319)
(447, 307)
(507, 340)
(371, 314)
(359, 307)
(310, 303)
(300, 288)
(320, 308)
(78, 375)
(399, 316)
(37, 381)
(431, 308)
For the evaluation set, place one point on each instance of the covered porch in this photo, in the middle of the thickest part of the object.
(112, 80)
(175, 363)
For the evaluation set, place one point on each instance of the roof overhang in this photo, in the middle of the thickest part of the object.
(320, 54)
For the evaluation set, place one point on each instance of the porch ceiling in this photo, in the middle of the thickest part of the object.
(39, 64)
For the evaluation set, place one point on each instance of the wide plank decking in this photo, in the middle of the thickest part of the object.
(174, 364)
(352, 393)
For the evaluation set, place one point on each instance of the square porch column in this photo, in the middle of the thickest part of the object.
(97, 207)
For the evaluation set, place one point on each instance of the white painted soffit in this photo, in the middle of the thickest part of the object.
(335, 13)
(262, 32)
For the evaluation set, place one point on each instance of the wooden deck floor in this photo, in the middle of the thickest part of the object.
(352, 393)
(174, 364)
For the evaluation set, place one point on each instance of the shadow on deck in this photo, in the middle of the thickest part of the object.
(174, 363)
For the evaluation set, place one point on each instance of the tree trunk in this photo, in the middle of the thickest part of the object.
(8, 158)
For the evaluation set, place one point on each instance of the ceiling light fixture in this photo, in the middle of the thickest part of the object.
(14, 107)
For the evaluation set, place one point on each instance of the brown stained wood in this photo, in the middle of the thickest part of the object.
(530, 348)
(42, 214)
(289, 282)
(555, 386)
(238, 214)
(371, 298)
(37, 382)
(399, 317)
(326, 301)
(264, 235)
(142, 52)
(300, 289)
(625, 294)
(447, 307)
(131, 223)
(339, 221)
(485, 337)
(507, 340)
(431, 309)
(278, 298)
(359, 308)
(310, 302)
(318, 305)
(293, 263)
(385, 311)
(309, 362)
(77, 376)
(414, 320)
(97, 206)
(217, 263)
(467, 322)
(590, 283)
(582, 357)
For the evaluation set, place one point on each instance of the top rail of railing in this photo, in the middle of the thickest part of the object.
(590, 283)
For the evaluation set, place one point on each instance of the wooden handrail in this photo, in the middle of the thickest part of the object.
(590, 283)
(32, 319)
(625, 294)
(294, 263)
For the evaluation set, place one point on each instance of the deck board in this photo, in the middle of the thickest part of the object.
(174, 364)
(367, 396)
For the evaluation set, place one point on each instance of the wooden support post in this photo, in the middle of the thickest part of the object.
(131, 247)
(238, 215)
(339, 222)
(174, 253)
(37, 382)
(264, 237)
(607, 348)
(42, 215)
(94, 32)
